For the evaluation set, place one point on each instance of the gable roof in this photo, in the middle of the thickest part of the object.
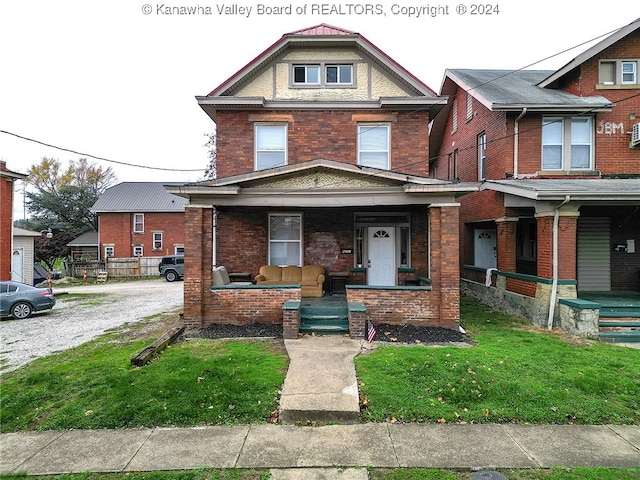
(616, 36)
(138, 197)
(518, 89)
(323, 35)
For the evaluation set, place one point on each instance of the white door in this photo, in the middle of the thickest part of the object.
(381, 247)
(484, 247)
(17, 262)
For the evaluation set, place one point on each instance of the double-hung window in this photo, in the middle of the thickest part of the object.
(482, 156)
(138, 223)
(157, 240)
(629, 71)
(618, 72)
(373, 146)
(271, 146)
(285, 239)
(567, 143)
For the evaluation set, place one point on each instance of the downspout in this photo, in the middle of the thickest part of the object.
(554, 283)
(214, 222)
(516, 129)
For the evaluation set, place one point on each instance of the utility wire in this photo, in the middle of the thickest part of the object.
(99, 158)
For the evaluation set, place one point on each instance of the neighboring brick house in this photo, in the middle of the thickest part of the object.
(137, 219)
(7, 179)
(558, 155)
(322, 158)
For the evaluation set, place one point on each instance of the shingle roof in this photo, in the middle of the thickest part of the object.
(87, 239)
(139, 197)
(501, 89)
(601, 189)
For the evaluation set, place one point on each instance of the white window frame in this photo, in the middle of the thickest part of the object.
(567, 142)
(138, 223)
(258, 151)
(178, 249)
(138, 250)
(482, 155)
(298, 241)
(634, 72)
(364, 129)
(109, 251)
(156, 237)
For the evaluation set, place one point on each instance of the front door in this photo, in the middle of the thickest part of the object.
(381, 247)
(484, 247)
(17, 262)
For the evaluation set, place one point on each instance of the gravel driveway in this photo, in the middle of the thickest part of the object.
(75, 320)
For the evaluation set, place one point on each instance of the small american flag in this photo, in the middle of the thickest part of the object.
(371, 332)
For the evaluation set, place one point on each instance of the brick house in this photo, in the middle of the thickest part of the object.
(322, 158)
(7, 179)
(558, 155)
(139, 219)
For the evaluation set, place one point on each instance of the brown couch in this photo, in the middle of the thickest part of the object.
(310, 278)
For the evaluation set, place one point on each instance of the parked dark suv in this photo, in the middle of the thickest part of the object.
(172, 267)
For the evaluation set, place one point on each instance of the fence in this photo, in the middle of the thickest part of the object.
(133, 267)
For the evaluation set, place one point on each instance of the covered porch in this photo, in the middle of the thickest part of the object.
(388, 243)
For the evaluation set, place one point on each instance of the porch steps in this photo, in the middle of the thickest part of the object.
(619, 323)
(326, 316)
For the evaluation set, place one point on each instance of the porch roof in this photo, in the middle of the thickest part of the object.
(322, 183)
(599, 190)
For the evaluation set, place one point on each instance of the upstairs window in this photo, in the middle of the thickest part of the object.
(618, 72)
(306, 74)
(469, 106)
(373, 146)
(482, 156)
(338, 74)
(138, 223)
(271, 146)
(567, 143)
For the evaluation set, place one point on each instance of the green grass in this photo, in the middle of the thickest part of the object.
(514, 373)
(198, 382)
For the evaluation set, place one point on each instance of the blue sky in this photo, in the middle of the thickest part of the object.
(118, 79)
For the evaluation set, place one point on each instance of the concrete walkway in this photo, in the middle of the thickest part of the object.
(311, 394)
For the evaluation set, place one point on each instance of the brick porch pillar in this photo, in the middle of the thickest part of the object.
(444, 261)
(198, 257)
(506, 243)
(567, 244)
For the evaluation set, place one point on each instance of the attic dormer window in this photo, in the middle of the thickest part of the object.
(322, 75)
(306, 74)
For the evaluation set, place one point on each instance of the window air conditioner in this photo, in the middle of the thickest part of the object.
(635, 136)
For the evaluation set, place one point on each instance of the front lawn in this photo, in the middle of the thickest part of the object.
(513, 373)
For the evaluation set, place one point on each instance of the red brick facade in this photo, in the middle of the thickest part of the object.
(117, 230)
(7, 179)
(308, 132)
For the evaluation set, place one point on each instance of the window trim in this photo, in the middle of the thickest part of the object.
(454, 116)
(469, 107)
(481, 142)
(338, 66)
(285, 149)
(566, 143)
(141, 248)
(359, 152)
(322, 75)
(136, 223)
(108, 248)
(299, 215)
(618, 80)
(153, 241)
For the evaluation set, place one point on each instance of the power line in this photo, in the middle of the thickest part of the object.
(99, 158)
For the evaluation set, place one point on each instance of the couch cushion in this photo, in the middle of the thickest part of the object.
(291, 274)
(271, 273)
(310, 274)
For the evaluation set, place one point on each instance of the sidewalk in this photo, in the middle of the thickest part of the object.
(289, 446)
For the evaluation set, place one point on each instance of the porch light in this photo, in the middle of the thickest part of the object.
(48, 232)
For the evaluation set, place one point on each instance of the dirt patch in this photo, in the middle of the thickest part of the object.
(561, 335)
